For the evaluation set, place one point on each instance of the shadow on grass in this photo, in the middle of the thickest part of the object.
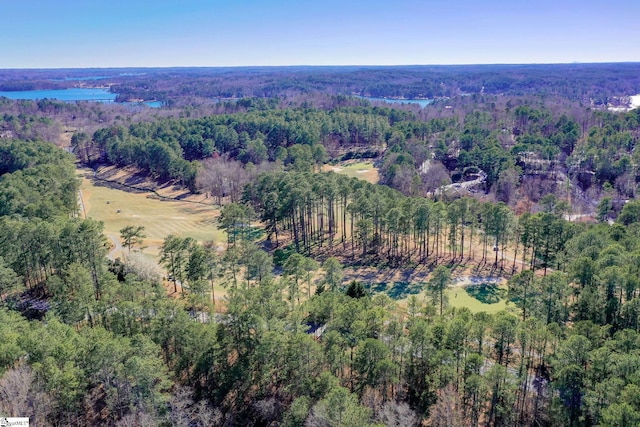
(377, 287)
(486, 293)
(396, 290)
(250, 232)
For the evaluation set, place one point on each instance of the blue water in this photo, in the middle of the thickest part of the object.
(74, 94)
(150, 104)
(421, 102)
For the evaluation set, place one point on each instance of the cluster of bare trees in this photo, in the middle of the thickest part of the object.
(224, 179)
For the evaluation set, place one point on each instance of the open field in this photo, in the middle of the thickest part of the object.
(459, 297)
(117, 208)
(361, 170)
(476, 292)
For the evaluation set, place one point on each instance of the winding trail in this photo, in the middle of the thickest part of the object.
(117, 247)
(465, 185)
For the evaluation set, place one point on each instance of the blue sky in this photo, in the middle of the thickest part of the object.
(145, 33)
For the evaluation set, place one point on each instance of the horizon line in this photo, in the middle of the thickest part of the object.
(316, 65)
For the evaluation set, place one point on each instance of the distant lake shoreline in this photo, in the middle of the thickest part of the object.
(421, 102)
(72, 95)
(104, 95)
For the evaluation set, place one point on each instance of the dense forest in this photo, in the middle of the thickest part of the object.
(537, 189)
(523, 148)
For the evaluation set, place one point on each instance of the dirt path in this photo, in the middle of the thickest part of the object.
(117, 247)
(82, 209)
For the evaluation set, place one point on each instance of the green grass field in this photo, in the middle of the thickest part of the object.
(118, 208)
(490, 300)
(361, 170)
(459, 297)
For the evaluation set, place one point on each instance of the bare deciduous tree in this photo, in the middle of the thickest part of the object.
(397, 414)
(143, 267)
(447, 411)
(185, 412)
(224, 178)
(20, 396)
(435, 176)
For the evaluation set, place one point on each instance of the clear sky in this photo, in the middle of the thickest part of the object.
(159, 33)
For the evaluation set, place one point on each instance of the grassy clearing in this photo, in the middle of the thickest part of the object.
(467, 290)
(397, 290)
(361, 170)
(459, 297)
(118, 208)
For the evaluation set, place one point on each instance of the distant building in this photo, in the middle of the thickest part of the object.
(6, 134)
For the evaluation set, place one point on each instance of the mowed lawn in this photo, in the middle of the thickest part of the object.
(458, 298)
(160, 218)
(361, 170)
(474, 292)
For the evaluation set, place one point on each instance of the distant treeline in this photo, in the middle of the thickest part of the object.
(573, 81)
(598, 82)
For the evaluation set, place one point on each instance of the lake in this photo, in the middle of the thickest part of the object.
(74, 94)
(421, 102)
